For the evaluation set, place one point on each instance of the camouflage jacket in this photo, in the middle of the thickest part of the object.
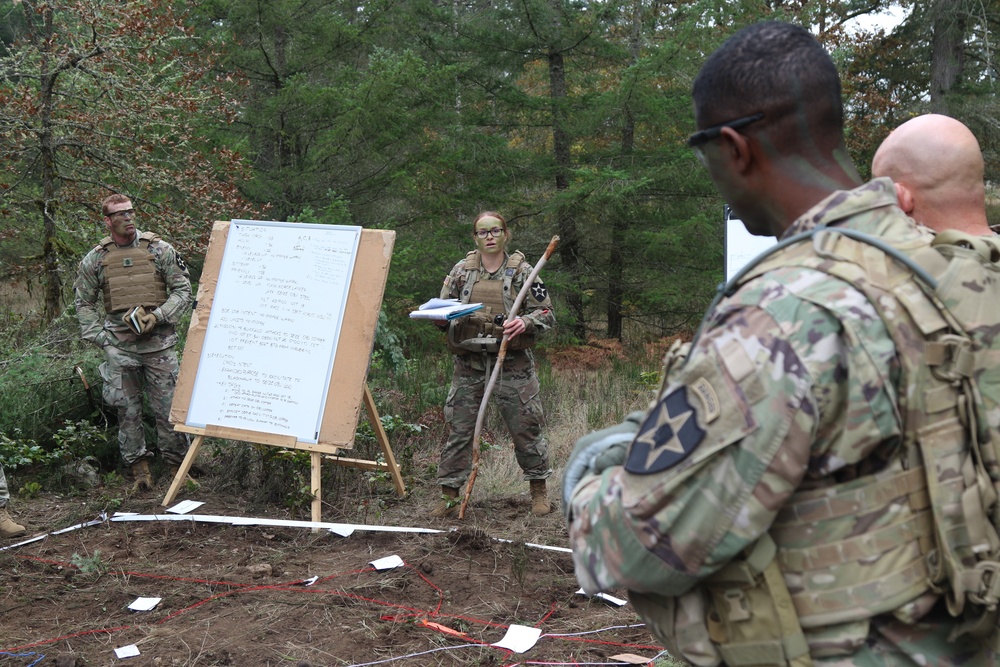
(794, 382)
(536, 310)
(103, 329)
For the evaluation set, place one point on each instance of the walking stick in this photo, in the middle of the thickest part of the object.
(496, 370)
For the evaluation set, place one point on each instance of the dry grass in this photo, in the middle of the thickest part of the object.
(578, 398)
(20, 299)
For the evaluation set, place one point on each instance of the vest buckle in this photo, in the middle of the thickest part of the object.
(988, 592)
(737, 608)
(951, 358)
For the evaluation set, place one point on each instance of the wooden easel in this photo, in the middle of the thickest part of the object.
(315, 457)
(342, 407)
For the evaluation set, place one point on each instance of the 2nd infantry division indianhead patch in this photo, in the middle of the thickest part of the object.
(668, 435)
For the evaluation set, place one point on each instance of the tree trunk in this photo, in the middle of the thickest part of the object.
(947, 50)
(569, 240)
(619, 221)
(49, 178)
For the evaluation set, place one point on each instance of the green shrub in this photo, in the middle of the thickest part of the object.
(17, 451)
(81, 439)
(44, 382)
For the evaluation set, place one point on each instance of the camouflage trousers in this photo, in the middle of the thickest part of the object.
(126, 375)
(4, 492)
(889, 642)
(516, 396)
(925, 643)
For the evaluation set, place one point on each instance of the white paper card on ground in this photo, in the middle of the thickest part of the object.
(604, 596)
(144, 604)
(387, 563)
(129, 651)
(185, 506)
(519, 638)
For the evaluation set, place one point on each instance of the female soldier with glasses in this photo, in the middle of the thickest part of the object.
(492, 276)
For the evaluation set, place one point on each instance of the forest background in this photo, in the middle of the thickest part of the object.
(568, 116)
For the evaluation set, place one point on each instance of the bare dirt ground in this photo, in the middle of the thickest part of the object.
(233, 595)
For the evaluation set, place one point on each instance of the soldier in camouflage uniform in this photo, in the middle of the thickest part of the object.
(8, 527)
(134, 269)
(491, 276)
(937, 167)
(771, 508)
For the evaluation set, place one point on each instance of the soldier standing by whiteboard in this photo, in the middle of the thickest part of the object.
(136, 272)
(492, 276)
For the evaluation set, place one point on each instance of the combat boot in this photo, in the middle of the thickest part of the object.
(140, 473)
(8, 528)
(539, 498)
(447, 505)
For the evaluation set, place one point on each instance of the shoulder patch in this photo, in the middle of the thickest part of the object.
(538, 291)
(704, 390)
(180, 262)
(668, 435)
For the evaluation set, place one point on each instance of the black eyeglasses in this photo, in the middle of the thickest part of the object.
(129, 212)
(702, 137)
(483, 233)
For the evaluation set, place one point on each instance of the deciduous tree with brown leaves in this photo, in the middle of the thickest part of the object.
(100, 97)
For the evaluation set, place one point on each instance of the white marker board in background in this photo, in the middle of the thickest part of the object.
(742, 246)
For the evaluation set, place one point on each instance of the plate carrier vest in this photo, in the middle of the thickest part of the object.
(130, 275)
(480, 332)
(934, 505)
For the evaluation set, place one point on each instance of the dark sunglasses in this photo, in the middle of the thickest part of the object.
(704, 136)
(698, 139)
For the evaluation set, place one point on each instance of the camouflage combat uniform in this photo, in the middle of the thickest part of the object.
(4, 491)
(792, 387)
(134, 361)
(516, 389)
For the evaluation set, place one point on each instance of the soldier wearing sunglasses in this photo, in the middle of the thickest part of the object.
(144, 286)
(813, 484)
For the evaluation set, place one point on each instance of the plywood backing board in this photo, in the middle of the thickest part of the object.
(347, 381)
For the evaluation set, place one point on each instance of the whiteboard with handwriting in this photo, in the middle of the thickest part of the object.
(271, 340)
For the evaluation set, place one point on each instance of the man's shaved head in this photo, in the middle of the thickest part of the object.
(938, 169)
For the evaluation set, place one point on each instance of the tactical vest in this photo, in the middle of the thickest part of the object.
(931, 514)
(130, 275)
(483, 330)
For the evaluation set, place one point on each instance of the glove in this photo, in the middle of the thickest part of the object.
(597, 451)
(146, 323)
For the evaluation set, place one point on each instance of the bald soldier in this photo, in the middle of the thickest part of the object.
(803, 491)
(937, 167)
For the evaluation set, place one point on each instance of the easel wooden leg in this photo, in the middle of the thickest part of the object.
(383, 441)
(316, 459)
(182, 472)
